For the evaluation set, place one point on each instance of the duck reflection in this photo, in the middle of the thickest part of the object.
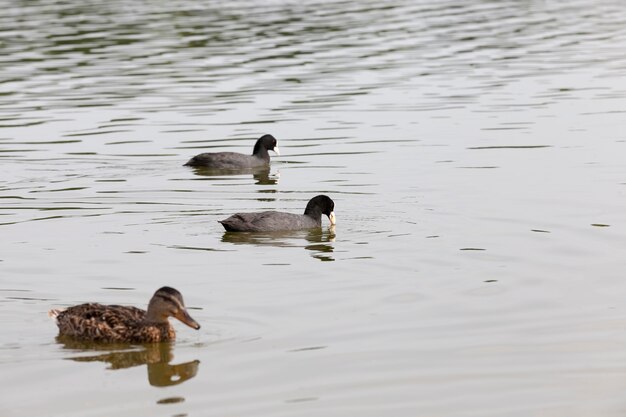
(261, 175)
(320, 241)
(157, 357)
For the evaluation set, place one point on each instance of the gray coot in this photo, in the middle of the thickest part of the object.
(271, 221)
(234, 160)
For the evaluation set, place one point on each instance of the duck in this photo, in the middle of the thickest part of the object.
(233, 160)
(125, 324)
(274, 221)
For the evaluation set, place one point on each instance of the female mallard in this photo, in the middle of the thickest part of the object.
(114, 323)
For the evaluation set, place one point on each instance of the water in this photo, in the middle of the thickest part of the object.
(474, 151)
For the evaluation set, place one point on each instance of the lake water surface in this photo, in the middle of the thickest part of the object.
(475, 151)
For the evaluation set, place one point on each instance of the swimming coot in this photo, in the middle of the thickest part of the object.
(271, 221)
(234, 160)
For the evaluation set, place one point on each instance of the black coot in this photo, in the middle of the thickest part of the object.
(234, 160)
(271, 221)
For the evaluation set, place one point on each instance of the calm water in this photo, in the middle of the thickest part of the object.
(475, 152)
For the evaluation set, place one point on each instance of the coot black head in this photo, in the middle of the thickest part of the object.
(264, 144)
(321, 204)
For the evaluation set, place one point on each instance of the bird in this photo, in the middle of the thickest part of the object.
(114, 323)
(270, 221)
(234, 160)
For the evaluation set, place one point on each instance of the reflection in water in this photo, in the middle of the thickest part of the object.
(157, 356)
(171, 400)
(261, 175)
(320, 240)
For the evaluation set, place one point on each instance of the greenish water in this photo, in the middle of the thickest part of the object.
(475, 153)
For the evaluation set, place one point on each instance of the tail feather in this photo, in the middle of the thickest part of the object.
(54, 313)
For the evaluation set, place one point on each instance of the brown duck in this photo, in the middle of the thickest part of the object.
(114, 323)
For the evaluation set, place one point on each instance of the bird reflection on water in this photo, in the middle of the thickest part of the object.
(320, 241)
(157, 357)
(261, 175)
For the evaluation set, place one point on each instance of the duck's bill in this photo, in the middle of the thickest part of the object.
(332, 218)
(186, 318)
(276, 150)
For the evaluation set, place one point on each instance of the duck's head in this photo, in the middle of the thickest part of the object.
(168, 302)
(267, 142)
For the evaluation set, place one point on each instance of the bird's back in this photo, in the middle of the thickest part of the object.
(267, 221)
(226, 160)
(97, 322)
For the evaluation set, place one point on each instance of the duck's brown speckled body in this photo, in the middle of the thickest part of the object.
(114, 323)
